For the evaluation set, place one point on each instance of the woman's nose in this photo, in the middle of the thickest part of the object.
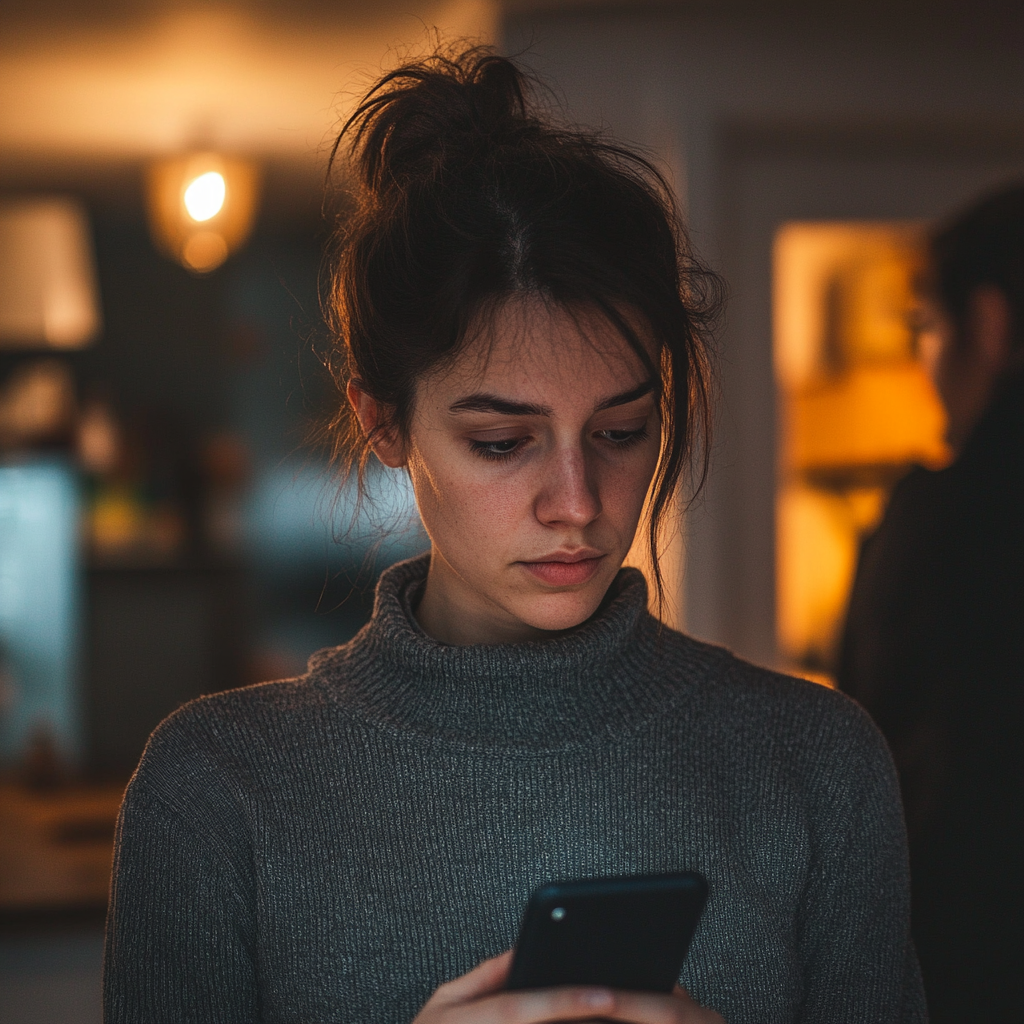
(568, 492)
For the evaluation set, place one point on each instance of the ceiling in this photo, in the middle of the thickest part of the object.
(127, 79)
(91, 90)
(106, 80)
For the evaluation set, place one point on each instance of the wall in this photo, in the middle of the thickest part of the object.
(762, 118)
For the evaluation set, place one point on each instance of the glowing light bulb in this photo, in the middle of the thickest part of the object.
(201, 208)
(204, 196)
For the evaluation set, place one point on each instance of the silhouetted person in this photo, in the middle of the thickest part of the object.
(934, 643)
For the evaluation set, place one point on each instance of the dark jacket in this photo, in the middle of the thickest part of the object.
(934, 650)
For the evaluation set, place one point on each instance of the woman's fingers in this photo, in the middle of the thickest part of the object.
(539, 1006)
(646, 1008)
(478, 998)
(488, 976)
(454, 1004)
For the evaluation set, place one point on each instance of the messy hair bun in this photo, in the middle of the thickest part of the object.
(421, 115)
(465, 194)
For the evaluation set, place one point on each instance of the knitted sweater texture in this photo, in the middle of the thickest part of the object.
(332, 848)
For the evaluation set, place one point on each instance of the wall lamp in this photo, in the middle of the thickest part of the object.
(48, 291)
(201, 208)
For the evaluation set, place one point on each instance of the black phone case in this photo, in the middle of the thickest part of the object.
(626, 933)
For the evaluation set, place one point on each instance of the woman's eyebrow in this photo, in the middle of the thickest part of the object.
(627, 396)
(481, 401)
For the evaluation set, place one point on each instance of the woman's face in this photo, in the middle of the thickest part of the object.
(530, 458)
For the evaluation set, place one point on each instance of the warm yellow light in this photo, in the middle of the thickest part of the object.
(817, 539)
(48, 290)
(205, 251)
(202, 207)
(855, 410)
(204, 196)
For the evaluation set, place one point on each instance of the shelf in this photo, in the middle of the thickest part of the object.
(56, 846)
(867, 418)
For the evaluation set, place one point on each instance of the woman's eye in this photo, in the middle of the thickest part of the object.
(496, 449)
(624, 438)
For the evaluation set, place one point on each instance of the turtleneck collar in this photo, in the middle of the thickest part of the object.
(593, 683)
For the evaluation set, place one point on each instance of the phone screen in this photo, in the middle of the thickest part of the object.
(626, 933)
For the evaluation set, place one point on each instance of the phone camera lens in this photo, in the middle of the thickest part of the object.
(558, 913)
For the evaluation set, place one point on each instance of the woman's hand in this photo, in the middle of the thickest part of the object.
(479, 998)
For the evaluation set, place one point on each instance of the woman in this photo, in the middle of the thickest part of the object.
(521, 330)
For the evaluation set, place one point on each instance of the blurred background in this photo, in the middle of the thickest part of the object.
(166, 529)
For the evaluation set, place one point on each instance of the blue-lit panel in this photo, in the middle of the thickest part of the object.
(39, 583)
(298, 516)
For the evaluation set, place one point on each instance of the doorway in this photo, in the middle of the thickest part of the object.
(770, 179)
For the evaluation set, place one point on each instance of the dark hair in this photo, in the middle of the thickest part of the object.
(983, 245)
(464, 195)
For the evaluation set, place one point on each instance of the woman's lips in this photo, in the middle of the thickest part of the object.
(564, 574)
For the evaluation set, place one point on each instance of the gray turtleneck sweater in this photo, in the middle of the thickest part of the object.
(333, 847)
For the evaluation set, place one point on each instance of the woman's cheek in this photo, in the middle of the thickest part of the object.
(501, 502)
(485, 505)
(624, 489)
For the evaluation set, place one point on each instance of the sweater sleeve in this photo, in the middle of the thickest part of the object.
(854, 922)
(180, 933)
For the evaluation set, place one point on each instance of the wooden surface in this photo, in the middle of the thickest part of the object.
(56, 846)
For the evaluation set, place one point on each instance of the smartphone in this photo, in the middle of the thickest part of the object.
(626, 933)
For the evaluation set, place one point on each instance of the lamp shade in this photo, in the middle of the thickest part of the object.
(48, 293)
(201, 208)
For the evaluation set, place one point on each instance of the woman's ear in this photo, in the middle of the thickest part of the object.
(386, 444)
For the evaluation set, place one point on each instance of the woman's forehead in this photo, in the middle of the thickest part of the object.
(529, 338)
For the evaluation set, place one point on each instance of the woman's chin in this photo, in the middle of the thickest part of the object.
(555, 613)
